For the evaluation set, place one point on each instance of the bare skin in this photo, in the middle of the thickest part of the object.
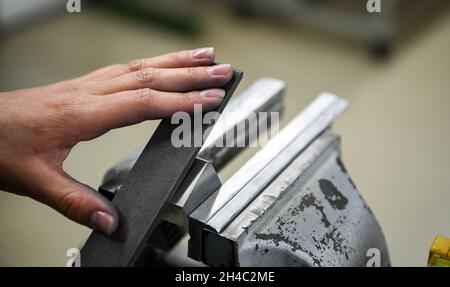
(40, 126)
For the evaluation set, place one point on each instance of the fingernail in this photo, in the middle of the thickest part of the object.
(203, 53)
(213, 93)
(219, 70)
(103, 222)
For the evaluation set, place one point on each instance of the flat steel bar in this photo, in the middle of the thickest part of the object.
(150, 185)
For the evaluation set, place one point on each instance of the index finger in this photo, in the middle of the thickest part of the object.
(180, 59)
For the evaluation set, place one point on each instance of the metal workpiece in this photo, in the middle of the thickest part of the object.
(264, 95)
(234, 207)
(235, 194)
(298, 169)
(141, 202)
(310, 215)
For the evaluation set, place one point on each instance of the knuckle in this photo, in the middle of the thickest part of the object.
(70, 203)
(144, 96)
(135, 65)
(147, 75)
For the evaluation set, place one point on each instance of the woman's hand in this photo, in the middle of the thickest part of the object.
(39, 126)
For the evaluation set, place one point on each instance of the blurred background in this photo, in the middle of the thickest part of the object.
(393, 67)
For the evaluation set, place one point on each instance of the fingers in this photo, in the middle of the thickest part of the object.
(74, 200)
(170, 80)
(181, 59)
(131, 107)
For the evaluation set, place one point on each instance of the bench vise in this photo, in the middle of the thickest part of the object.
(292, 204)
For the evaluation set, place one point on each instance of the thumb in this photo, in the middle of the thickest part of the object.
(75, 200)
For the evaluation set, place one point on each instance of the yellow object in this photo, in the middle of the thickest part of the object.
(440, 252)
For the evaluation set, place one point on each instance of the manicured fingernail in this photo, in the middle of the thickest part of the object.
(203, 53)
(219, 70)
(103, 222)
(213, 93)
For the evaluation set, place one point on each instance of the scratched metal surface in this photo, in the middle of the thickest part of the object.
(311, 215)
(321, 221)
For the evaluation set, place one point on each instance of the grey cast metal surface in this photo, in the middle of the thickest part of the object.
(310, 215)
